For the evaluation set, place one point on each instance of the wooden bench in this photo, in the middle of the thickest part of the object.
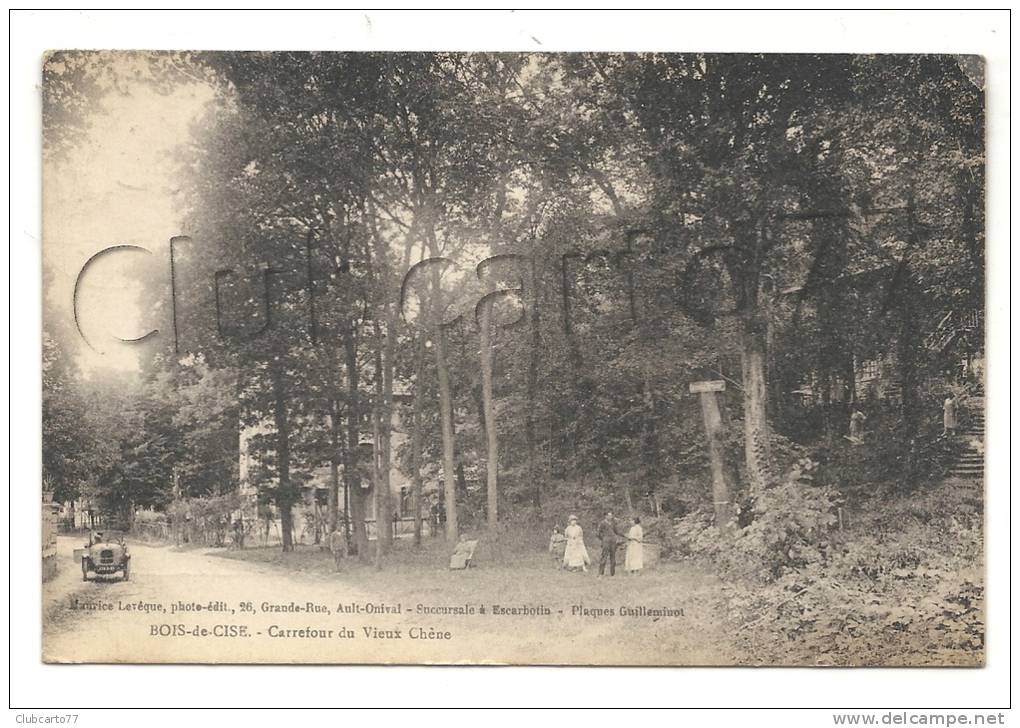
(463, 555)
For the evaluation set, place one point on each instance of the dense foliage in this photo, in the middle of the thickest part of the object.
(645, 221)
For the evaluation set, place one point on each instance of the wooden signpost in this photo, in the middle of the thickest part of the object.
(714, 385)
(711, 410)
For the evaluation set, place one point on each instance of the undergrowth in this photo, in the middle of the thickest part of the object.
(901, 583)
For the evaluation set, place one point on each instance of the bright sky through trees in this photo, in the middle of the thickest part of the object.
(115, 186)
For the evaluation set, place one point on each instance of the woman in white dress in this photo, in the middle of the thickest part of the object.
(634, 560)
(949, 421)
(575, 555)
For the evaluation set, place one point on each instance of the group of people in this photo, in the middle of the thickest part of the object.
(569, 552)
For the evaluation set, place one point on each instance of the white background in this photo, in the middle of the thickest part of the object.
(46, 688)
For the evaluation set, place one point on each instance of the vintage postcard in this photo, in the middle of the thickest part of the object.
(513, 358)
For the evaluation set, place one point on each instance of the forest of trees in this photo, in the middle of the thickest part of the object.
(544, 251)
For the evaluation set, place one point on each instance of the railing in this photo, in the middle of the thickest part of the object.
(400, 528)
(942, 335)
(969, 320)
(951, 325)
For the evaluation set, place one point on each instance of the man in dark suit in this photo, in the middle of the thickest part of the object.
(609, 534)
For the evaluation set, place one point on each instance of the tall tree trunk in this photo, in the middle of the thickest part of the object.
(284, 492)
(751, 240)
(389, 364)
(445, 394)
(489, 411)
(383, 427)
(352, 477)
(776, 384)
(446, 417)
(650, 443)
(382, 523)
(348, 533)
(387, 311)
(756, 433)
(571, 423)
(532, 390)
(416, 439)
(333, 500)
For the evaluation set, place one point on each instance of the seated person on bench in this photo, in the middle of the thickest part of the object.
(464, 554)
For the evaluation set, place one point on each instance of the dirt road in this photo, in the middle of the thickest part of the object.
(194, 606)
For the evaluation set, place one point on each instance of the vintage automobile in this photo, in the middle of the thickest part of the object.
(106, 553)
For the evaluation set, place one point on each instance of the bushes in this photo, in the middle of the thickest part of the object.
(151, 525)
(790, 528)
(904, 585)
(206, 520)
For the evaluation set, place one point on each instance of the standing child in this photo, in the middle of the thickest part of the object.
(338, 547)
(634, 560)
(557, 546)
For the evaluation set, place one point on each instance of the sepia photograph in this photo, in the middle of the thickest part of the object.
(524, 358)
(376, 360)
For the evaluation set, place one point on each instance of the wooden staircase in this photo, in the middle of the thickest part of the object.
(951, 327)
(970, 462)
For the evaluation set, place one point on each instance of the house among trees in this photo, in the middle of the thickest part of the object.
(257, 483)
(956, 346)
